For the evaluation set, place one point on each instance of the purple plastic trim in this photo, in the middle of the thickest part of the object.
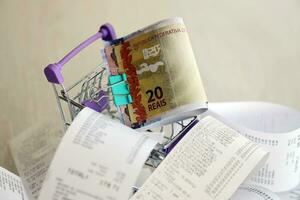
(100, 105)
(180, 136)
(53, 71)
(108, 32)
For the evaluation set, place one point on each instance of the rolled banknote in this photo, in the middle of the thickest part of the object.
(161, 73)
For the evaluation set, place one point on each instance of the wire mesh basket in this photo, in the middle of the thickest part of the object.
(93, 91)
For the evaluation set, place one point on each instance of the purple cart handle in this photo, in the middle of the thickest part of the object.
(53, 71)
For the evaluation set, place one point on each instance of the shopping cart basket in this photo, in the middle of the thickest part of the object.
(93, 91)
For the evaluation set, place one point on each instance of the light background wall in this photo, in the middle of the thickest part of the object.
(246, 50)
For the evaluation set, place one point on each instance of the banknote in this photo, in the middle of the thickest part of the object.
(161, 71)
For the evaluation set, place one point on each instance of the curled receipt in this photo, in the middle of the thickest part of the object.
(251, 192)
(277, 129)
(209, 163)
(98, 159)
(11, 187)
(33, 151)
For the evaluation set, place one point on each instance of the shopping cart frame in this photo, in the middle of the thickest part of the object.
(99, 98)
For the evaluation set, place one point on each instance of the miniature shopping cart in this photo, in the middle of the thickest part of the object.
(93, 91)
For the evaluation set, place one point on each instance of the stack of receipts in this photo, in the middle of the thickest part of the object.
(224, 155)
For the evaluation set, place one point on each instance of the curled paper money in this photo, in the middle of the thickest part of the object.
(162, 74)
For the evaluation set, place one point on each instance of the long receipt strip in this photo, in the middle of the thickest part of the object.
(210, 162)
(281, 171)
(277, 129)
(251, 192)
(98, 159)
(11, 187)
(33, 151)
